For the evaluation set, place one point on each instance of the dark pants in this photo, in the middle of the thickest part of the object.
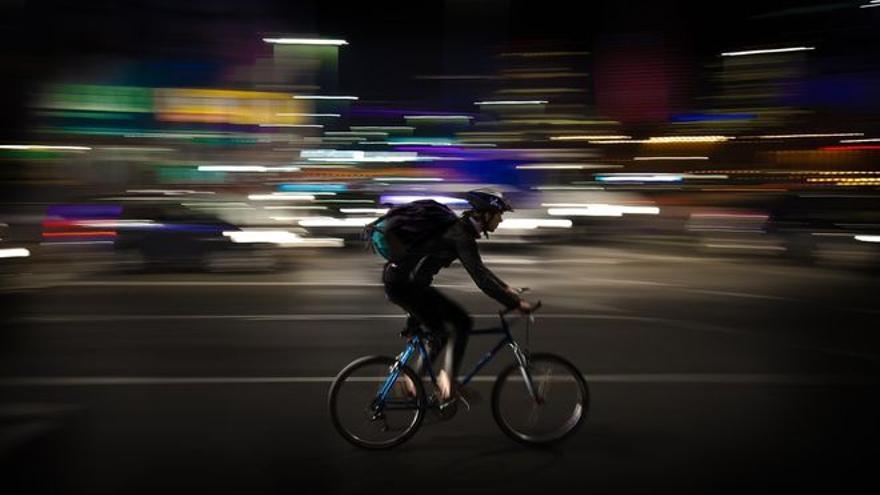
(442, 317)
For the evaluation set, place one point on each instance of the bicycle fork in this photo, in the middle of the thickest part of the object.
(523, 362)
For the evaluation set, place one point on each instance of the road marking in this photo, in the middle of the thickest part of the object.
(660, 378)
(309, 317)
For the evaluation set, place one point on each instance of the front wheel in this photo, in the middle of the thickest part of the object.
(557, 409)
(370, 405)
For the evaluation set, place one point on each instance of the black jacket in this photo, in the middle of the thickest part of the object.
(458, 242)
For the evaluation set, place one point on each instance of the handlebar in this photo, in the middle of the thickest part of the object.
(507, 311)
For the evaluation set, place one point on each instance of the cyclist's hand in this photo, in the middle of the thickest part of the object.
(525, 306)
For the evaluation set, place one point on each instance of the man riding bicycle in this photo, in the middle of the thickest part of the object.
(408, 282)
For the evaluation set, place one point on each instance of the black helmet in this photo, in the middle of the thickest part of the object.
(482, 201)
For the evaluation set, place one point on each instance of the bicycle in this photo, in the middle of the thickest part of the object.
(366, 400)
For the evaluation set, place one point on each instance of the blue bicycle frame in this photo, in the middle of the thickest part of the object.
(416, 344)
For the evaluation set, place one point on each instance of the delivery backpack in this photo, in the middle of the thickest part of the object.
(396, 233)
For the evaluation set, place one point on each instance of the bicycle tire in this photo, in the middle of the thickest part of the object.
(506, 383)
(345, 376)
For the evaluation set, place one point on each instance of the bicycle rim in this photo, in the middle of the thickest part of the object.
(365, 421)
(563, 404)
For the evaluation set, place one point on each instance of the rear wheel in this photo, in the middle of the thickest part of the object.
(559, 410)
(360, 414)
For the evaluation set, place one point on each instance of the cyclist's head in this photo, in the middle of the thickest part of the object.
(487, 208)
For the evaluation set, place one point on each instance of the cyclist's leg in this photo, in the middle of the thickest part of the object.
(413, 300)
(447, 313)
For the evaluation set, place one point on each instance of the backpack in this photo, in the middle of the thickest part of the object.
(394, 235)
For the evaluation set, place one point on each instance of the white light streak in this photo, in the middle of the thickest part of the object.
(587, 138)
(14, 253)
(641, 178)
(305, 41)
(438, 117)
(446, 200)
(565, 166)
(245, 168)
(285, 114)
(533, 223)
(512, 102)
(649, 158)
(325, 97)
(604, 210)
(868, 238)
(41, 147)
(688, 139)
(281, 197)
(281, 238)
(294, 207)
(772, 50)
(303, 126)
(869, 140)
(375, 211)
(796, 136)
(869, 5)
(359, 156)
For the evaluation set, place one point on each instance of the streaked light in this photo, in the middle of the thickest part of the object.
(284, 114)
(325, 97)
(245, 168)
(382, 128)
(336, 222)
(397, 199)
(870, 140)
(617, 141)
(688, 139)
(294, 207)
(640, 178)
(14, 253)
(40, 147)
(512, 102)
(533, 223)
(376, 211)
(649, 158)
(438, 117)
(316, 188)
(303, 126)
(262, 236)
(565, 166)
(869, 5)
(604, 210)
(587, 138)
(80, 234)
(772, 50)
(359, 156)
(171, 192)
(407, 179)
(412, 141)
(281, 197)
(868, 238)
(305, 41)
(796, 136)
(356, 133)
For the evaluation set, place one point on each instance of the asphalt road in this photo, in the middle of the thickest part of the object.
(706, 374)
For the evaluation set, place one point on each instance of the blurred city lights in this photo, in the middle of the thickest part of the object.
(512, 102)
(14, 253)
(768, 51)
(533, 223)
(325, 97)
(661, 158)
(305, 41)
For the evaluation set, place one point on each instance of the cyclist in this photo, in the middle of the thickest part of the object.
(408, 283)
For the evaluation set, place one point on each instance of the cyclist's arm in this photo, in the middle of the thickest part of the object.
(487, 281)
